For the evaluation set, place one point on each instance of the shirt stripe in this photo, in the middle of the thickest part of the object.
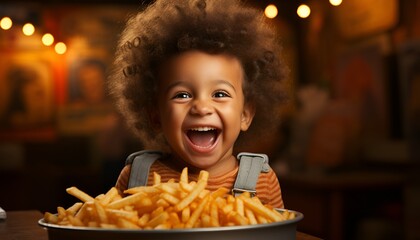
(268, 187)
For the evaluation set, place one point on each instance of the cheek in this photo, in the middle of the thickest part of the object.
(232, 116)
(171, 118)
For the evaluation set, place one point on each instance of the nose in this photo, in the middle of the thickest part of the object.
(201, 107)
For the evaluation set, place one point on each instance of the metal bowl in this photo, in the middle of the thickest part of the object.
(284, 230)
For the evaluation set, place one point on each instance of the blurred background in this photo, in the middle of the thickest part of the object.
(347, 152)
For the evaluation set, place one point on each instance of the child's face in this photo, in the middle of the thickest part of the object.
(202, 108)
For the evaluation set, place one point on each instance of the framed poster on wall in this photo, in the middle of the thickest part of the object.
(27, 100)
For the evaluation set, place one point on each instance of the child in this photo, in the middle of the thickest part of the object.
(190, 77)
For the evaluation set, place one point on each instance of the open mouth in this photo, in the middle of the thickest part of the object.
(203, 137)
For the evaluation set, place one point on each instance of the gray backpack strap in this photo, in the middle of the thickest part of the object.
(140, 166)
(250, 167)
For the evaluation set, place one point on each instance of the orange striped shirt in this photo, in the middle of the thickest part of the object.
(268, 187)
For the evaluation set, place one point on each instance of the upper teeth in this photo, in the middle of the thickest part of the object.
(202, 129)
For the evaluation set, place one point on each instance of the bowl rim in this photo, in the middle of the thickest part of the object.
(298, 217)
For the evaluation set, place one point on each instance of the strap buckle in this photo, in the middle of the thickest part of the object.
(265, 166)
(264, 156)
(239, 191)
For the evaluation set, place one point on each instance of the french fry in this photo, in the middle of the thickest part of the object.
(75, 221)
(162, 203)
(159, 219)
(262, 220)
(191, 196)
(126, 201)
(157, 212)
(178, 226)
(169, 198)
(92, 224)
(238, 219)
(195, 215)
(203, 176)
(107, 225)
(184, 176)
(251, 217)
(143, 220)
(169, 188)
(291, 215)
(230, 199)
(239, 206)
(163, 226)
(144, 189)
(51, 218)
(186, 187)
(128, 215)
(156, 179)
(79, 194)
(109, 196)
(205, 220)
(169, 205)
(83, 210)
(100, 196)
(129, 208)
(103, 217)
(174, 219)
(170, 181)
(203, 193)
(124, 223)
(220, 192)
(227, 208)
(185, 214)
(61, 212)
(117, 197)
(74, 208)
(214, 215)
(260, 209)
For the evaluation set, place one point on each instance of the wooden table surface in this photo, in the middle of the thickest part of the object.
(23, 225)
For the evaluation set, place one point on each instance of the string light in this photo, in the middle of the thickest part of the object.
(47, 39)
(28, 29)
(303, 11)
(271, 11)
(335, 2)
(60, 48)
(6, 23)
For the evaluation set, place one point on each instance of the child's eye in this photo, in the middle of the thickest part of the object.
(182, 95)
(221, 94)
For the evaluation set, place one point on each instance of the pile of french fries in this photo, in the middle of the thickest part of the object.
(170, 205)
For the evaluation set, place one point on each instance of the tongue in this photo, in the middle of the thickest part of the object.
(202, 139)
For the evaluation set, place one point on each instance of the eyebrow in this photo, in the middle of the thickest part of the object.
(177, 83)
(217, 82)
(224, 82)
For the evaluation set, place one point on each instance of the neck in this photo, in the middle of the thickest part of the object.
(224, 166)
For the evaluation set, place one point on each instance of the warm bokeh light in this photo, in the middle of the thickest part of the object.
(271, 11)
(60, 48)
(335, 2)
(47, 39)
(6, 23)
(28, 29)
(303, 11)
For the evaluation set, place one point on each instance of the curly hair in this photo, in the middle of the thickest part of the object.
(167, 28)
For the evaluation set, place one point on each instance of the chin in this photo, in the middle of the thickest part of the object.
(202, 163)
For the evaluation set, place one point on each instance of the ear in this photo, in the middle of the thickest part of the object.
(247, 115)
